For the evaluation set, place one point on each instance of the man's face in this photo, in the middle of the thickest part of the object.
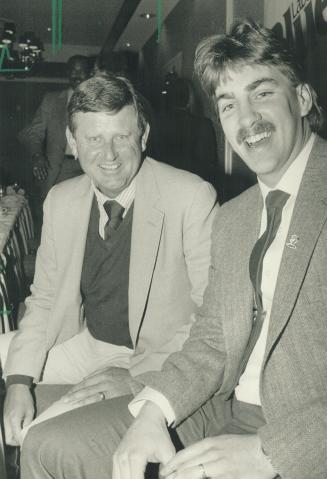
(109, 147)
(78, 72)
(262, 117)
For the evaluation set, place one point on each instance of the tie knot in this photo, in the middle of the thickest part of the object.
(276, 199)
(113, 209)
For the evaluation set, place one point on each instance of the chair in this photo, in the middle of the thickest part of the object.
(3, 471)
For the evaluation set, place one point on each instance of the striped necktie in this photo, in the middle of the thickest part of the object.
(115, 213)
(275, 202)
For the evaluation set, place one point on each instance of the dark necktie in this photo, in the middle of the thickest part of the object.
(115, 216)
(275, 202)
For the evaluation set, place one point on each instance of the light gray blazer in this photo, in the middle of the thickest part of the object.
(293, 384)
(170, 256)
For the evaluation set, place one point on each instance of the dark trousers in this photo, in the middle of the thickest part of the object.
(80, 444)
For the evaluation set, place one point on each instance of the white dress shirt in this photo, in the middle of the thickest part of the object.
(125, 199)
(248, 387)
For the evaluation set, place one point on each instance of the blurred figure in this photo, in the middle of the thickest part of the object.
(185, 140)
(45, 139)
(45, 136)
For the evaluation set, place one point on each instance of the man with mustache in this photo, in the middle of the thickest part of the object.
(247, 393)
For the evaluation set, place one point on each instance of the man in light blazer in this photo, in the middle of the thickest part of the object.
(110, 300)
(244, 405)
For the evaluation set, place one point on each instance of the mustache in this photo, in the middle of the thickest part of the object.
(260, 126)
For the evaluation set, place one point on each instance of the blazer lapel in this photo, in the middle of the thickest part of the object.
(309, 216)
(237, 287)
(74, 225)
(148, 218)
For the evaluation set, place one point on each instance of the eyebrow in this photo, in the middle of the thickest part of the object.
(252, 86)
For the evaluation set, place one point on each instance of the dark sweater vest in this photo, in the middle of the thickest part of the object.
(104, 282)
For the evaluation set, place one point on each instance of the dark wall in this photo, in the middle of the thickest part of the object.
(181, 32)
(186, 25)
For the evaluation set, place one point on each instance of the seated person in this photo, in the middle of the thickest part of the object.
(247, 395)
(122, 264)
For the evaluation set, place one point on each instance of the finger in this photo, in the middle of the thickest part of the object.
(127, 468)
(190, 456)
(202, 470)
(9, 434)
(137, 467)
(194, 472)
(101, 371)
(11, 441)
(167, 453)
(84, 393)
(28, 419)
(98, 381)
(16, 425)
(89, 400)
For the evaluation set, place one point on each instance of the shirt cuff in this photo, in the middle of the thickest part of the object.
(149, 394)
(18, 379)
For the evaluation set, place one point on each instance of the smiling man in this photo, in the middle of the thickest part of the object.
(123, 261)
(247, 393)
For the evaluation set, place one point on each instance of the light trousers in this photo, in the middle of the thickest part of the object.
(80, 444)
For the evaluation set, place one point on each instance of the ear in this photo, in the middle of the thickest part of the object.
(72, 142)
(304, 96)
(145, 136)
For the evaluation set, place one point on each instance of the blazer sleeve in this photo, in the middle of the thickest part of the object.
(28, 349)
(197, 229)
(198, 217)
(190, 376)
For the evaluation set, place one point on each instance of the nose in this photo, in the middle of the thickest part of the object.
(248, 114)
(109, 151)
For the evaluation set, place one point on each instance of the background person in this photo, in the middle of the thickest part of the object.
(45, 138)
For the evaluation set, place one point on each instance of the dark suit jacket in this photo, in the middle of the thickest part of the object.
(293, 384)
(46, 137)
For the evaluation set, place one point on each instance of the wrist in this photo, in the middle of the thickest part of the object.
(19, 379)
(151, 411)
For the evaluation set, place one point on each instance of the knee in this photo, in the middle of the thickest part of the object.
(49, 450)
(43, 444)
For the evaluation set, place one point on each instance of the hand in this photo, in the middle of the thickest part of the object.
(102, 384)
(222, 457)
(40, 170)
(18, 412)
(147, 440)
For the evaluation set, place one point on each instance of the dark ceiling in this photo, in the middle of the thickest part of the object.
(84, 22)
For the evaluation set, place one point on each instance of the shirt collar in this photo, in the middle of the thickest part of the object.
(291, 180)
(125, 198)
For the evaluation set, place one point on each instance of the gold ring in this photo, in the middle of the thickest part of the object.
(203, 472)
(102, 396)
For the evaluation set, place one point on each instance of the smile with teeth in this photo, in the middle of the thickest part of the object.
(255, 139)
(109, 166)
